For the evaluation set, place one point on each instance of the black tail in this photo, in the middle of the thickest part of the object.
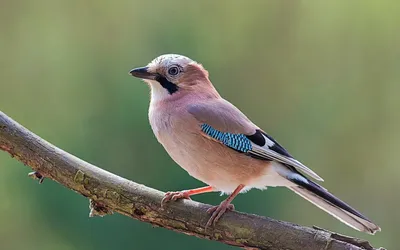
(320, 197)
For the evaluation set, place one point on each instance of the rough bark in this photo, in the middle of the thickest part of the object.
(110, 193)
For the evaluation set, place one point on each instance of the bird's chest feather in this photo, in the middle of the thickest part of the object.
(174, 128)
(180, 135)
(203, 158)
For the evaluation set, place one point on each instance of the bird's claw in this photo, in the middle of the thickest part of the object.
(173, 196)
(217, 212)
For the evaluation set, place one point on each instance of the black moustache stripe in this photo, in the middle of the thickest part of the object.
(169, 86)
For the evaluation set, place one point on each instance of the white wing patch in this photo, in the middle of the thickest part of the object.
(269, 142)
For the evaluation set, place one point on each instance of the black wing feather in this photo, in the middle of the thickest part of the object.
(258, 138)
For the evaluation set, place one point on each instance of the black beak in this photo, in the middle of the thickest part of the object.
(143, 73)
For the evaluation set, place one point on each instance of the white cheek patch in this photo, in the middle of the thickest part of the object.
(158, 92)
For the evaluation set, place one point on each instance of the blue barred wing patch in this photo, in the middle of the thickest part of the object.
(238, 142)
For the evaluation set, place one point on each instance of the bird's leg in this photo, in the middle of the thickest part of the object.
(217, 211)
(185, 194)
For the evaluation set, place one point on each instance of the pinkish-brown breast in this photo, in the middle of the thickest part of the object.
(207, 160)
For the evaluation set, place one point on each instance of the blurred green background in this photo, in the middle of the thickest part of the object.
(321, 77)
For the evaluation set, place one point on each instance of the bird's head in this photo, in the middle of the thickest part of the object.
(170, 74)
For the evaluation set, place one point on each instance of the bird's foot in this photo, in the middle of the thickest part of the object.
(173, 196)
(217, 211)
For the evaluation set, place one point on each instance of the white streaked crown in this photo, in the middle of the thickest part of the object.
(166, 60)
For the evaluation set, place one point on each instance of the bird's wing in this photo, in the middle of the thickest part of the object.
(223, 122)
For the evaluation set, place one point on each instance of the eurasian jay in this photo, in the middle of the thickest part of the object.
(217, 144)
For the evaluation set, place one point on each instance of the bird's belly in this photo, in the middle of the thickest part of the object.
(210, 161)
(217, 165)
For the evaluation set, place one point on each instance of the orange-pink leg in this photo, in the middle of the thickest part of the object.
(185, 194)
(217, 211)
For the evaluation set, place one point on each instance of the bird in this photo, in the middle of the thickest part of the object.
(217, 144)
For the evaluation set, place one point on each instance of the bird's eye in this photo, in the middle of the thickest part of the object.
(173, 71)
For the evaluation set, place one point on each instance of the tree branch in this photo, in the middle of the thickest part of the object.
(110, 193)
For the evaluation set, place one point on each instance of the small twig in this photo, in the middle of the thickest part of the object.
(97, 209)
(36, 176)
